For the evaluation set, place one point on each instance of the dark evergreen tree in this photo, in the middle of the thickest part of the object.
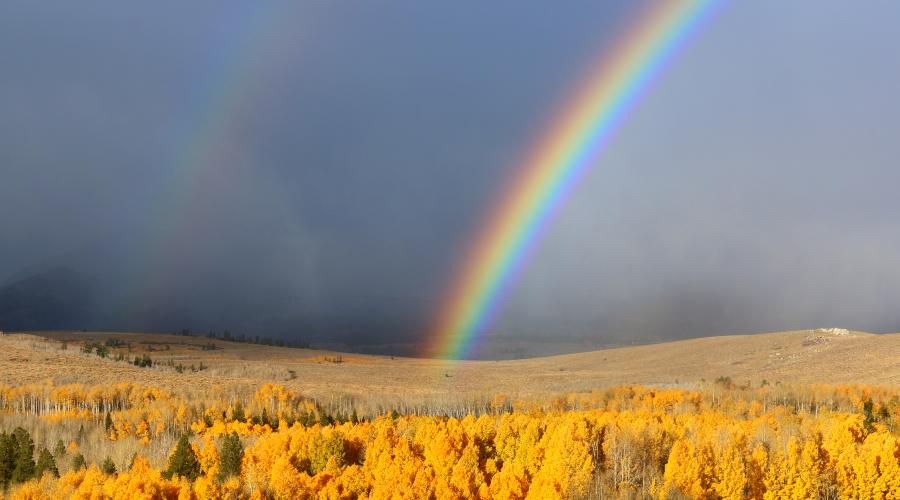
(183, 461)
(869, 415)
(230, 456)
(45, 463)
(7, 458)
(78, 462)
(60, 449)
(23, 469)
(108, 467)
(237, 413)
(108, 423)
(884, 413)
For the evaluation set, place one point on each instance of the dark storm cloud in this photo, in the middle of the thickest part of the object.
(362, 145)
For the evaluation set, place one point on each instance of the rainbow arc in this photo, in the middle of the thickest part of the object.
(570, 145)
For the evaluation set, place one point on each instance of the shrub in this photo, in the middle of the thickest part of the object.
(143, 361)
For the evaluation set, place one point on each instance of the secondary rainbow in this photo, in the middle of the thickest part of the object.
(205, 141)
(570, 145)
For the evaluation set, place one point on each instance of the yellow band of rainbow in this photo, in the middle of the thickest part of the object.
(571, 144)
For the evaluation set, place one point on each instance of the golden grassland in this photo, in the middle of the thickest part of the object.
(797, 357)
(808, 414)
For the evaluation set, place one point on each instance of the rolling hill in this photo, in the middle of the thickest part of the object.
(831, 356)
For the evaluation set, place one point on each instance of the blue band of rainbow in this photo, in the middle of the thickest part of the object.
(571, 144)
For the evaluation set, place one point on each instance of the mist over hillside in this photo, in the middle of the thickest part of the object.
(96, 299)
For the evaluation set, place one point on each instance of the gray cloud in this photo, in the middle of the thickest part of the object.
(357, 147)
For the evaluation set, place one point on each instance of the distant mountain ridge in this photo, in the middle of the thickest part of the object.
(56, 298)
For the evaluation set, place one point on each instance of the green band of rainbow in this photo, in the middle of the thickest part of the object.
(203, 143)
(571, 144)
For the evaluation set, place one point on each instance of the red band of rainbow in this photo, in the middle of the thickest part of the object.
(570, 145)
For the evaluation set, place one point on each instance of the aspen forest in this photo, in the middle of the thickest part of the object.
(718, 440)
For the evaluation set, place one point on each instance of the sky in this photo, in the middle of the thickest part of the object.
(315, 170)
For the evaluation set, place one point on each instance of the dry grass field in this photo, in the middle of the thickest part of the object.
(796, 357)
(803, 414)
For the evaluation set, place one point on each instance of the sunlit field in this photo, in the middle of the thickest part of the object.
(721, 437)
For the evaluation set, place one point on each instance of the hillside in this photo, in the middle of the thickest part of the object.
(810, 356)
(135, 412)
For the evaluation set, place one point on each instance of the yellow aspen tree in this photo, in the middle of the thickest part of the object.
(567, 467)
(731, 476)
(756, 469)
(511, 483)
(285, 481)
(876, 467)
(688, 469)
(466, 478)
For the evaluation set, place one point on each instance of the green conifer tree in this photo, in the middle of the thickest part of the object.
(23, 469)
(108, 467)
(60, 449)
(45, 463)
(183, 461)
(7, 458)
(237, 413)
(230, 457)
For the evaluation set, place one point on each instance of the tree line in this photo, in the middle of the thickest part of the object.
(228, 336)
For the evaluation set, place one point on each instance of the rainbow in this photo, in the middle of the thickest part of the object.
(205, 142)
(571, 144)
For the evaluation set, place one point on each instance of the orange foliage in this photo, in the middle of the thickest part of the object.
(627, 441)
